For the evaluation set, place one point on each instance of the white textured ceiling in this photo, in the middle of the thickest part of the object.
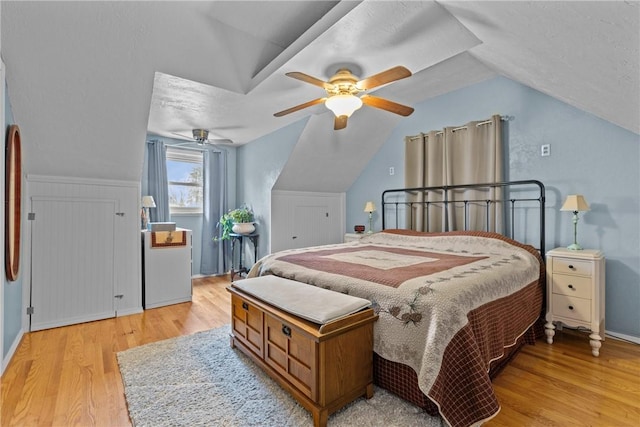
(88, 80)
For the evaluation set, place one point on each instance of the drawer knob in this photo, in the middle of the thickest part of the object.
(571, 266)
(286, 331)
(570, 286)
(570, 307)
(245, 306)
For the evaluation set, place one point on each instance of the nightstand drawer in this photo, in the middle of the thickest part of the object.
(572, 266)
(575, 286)
(572, 308)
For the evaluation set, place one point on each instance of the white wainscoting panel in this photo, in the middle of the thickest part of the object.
(86, 248)
(303, 219)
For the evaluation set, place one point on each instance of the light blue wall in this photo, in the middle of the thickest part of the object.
(259, 164)
(589, 156)
(12, 310)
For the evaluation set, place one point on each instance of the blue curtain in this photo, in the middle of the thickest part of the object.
(214, 176)
(157, 185)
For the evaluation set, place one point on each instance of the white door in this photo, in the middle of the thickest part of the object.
(72, 277)
(311, 225)
(303, 219)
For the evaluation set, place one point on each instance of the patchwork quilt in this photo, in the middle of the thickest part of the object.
(428, 290)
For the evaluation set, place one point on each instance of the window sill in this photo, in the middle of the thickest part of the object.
(174, 214)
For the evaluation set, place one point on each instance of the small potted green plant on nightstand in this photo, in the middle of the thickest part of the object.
(238, 221)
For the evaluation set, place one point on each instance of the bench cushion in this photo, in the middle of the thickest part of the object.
(309, 302)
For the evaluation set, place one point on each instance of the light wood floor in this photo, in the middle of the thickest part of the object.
(69, 376)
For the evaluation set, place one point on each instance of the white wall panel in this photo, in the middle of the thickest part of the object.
(122, 262)
(302, 219)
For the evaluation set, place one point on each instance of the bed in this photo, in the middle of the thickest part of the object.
(454, 306)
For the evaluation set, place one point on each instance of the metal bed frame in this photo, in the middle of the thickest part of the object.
(510, 202)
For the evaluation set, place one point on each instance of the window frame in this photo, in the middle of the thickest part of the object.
(177, 154)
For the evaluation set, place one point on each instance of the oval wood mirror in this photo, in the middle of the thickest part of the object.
(12, 202)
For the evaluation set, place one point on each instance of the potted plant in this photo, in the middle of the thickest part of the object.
(238, 220)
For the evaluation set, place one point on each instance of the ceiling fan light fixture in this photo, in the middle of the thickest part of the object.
(343, 105)
(342, 90)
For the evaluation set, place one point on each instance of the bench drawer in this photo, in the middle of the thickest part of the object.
(247, 323)
(292, 354)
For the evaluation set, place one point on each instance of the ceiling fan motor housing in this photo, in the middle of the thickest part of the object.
(343, 83)
(200, 135)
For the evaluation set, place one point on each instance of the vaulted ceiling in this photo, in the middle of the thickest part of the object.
(88, 80)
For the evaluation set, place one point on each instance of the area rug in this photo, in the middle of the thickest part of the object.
(199, 380)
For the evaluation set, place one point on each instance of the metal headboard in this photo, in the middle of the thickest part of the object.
(516, 195)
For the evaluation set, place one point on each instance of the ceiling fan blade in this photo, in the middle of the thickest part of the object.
(216, 141)
(309, 79)
(340, 122)
(182, 136)
(385, 104)
(299, 107)
(388, 76)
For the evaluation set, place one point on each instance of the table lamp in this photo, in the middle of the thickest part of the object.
(370, 207)
(575, 203)
(147, 202)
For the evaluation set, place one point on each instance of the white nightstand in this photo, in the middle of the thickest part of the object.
(575, 292)
(352, 237)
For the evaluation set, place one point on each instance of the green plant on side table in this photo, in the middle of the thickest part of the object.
(229, 219)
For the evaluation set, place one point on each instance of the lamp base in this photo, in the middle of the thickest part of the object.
(144, 219)
(574, 247)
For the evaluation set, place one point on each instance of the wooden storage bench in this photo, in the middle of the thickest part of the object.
(317, 344)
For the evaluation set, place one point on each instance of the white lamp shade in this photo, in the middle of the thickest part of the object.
(148, 202)
(343, 105)
(369, 207)
(575, 203)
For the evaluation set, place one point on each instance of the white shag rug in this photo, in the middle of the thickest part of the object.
(199, 380)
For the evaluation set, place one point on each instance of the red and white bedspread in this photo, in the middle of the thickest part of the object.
(432, 292)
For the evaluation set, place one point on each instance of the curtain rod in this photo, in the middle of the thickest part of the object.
(485, 122)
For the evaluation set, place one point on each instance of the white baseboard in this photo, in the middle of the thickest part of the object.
(608, 334)
(129, 311)
(624, 337)
(202, 276)
(11, 352)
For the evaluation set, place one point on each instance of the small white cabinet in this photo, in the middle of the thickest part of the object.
(575, 293)
(167, 267)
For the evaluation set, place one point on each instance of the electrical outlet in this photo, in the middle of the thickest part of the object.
(392, 170)
(545, 150)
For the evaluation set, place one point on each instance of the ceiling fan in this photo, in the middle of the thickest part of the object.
(201, 137)
(343, 90)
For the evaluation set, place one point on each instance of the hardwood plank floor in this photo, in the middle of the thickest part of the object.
(69, 376)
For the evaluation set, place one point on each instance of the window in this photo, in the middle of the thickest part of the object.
(184, 174)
